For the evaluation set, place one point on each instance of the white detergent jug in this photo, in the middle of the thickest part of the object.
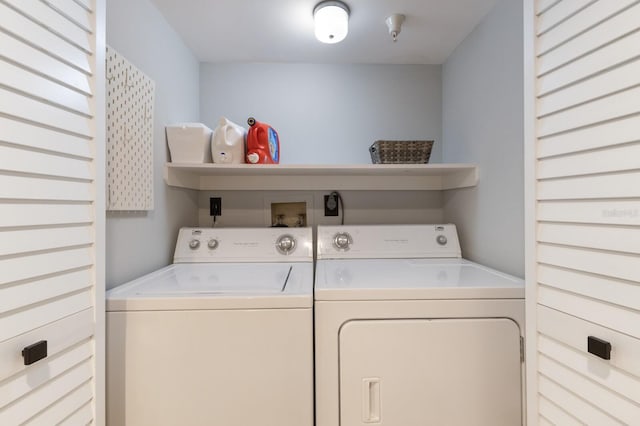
(227, 142)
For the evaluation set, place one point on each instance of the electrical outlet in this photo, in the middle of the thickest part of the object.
(215, 206)
(331, 205)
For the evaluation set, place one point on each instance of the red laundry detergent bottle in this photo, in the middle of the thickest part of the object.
(263, 145)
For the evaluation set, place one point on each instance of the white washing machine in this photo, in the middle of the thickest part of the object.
(224, 336)
(410, 334)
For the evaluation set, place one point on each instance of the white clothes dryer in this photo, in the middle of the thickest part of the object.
(409, 333)
(224, 336)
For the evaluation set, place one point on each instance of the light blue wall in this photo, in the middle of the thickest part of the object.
(327, 114)
(138, 243)
(483, 124)
(330, 114)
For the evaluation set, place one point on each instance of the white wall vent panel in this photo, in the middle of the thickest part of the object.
(130, 96)
(582, 138)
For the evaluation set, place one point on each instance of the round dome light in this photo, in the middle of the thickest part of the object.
(331, 21)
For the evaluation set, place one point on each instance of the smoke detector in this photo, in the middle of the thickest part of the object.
(394, 23)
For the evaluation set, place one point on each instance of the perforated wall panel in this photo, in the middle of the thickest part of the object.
(130, 97)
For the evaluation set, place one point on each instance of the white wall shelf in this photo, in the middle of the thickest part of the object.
(321, 177)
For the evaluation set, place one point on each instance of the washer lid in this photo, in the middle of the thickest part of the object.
(412, 279)
(217, 286)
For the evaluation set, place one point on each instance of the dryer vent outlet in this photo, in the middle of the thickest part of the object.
(289, 214)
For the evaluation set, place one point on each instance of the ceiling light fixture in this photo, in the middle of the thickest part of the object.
(331, 21)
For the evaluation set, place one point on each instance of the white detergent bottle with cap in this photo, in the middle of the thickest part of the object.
(227, 142)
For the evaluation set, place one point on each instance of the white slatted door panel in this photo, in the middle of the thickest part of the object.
(544, 422)
(605, 314)
(40, 214)
(617, 26)
(615, 380)
(28, 56)
(591, 16)
(75, 12)
(614, 404)
(47, 210)
(622, 78)
(43, 89)
(86, 4)
(33, 110)
(621, 239)
(561, 12)
(47, 17)
(34, 137)
(82, 416)
(543, 5)
(61, 335)
(611, 212)
(587, 239)
(17, 387)
(609, 264)
(19, 160)
(42, 188)
(25, 29)
(40, 290)
(571, 330)
(555, 415)
(44, 396)
(587, 413)
(599, 186)
(598, 61)
(598, 287)
(607, 108)
(613, 159)
(541, 421)
(602, 136)
(71, 403)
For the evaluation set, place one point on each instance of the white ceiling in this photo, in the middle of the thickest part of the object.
(282, 30)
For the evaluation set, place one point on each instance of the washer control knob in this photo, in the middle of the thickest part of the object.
(212, 244)
(286, 244)
(342, 241)
(442, 240)
(194, 244)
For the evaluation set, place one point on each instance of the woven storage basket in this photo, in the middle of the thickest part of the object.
(400, 152)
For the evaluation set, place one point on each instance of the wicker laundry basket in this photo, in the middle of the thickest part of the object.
(400, 152)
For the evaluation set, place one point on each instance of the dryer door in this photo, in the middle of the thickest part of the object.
(442, 372)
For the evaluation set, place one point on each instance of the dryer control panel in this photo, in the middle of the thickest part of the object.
(199, 245)
(388, 241)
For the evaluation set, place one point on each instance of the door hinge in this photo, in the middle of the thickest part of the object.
(521, 349)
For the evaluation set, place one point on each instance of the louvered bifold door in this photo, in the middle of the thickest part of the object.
(48, 190)
(587, 212)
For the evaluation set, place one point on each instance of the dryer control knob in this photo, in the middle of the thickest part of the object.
(342, 241)
(442, 240)
(194, 244)
(212, 244)
(286, 244)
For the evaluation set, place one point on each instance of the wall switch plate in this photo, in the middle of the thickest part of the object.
(215, 206)
(331, 205)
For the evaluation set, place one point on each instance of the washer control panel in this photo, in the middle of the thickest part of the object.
(244, 245)
(388, 241)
